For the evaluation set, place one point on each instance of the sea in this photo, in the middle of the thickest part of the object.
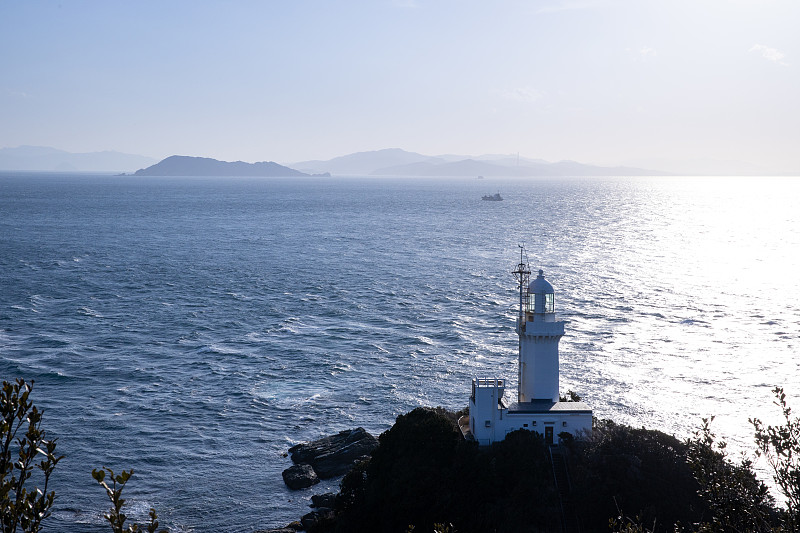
(194, 328)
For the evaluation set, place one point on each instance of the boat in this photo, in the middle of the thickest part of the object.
(493, 198)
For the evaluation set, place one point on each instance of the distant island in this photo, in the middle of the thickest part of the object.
(397, 162)
(180, 165)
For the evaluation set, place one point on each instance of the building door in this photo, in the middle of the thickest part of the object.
(548, 435)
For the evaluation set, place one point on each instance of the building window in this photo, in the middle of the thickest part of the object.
(564, 423)
(534, 422)
(549, 304)
(524, 425)
(488, 423)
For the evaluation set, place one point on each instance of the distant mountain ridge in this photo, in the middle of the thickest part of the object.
(181, 165)
(397, 162)
(365, 163)
(386, 162)
(45, 158)
(469, 167)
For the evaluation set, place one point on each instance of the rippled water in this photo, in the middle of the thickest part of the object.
(193, 329)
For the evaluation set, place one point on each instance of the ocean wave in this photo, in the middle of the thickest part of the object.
(86, 311)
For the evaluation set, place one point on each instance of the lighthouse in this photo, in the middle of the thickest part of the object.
(539, 333)
(538, 407)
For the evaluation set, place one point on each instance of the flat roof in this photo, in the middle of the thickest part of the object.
(548, 406)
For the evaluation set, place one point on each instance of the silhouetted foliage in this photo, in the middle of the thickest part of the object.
(626, 524)
(736, 499)
(437, 528)
(569, 396)
(22, 441)
(643, 472)
(116, 517)
(424, 473)
(780, 445)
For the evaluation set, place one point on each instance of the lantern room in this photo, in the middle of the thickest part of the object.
(540, 300)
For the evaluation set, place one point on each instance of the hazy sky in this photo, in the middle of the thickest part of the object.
(604, 82)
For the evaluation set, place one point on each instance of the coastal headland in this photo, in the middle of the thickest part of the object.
(424, 476)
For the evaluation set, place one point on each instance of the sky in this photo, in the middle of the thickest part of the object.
(597, 81)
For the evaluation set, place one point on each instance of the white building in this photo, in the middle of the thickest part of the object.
(537, 408)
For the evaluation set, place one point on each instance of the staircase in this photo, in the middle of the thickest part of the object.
(569, 520)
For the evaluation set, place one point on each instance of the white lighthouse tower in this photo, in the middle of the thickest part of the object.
(538, 407)
(539, 333)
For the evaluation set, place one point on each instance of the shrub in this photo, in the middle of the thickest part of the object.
(23, 442)
(116, 517)
(424, 474)
(736, 499)
(780, 445)
(637, 471)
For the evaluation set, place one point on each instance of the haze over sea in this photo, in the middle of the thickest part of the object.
(194, 328)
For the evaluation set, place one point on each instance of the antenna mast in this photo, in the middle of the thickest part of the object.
(522, 275)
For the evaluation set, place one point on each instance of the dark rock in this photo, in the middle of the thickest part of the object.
(300, 477)
(319, 520)
(296, 525)
(324, 500)
(335, 455)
